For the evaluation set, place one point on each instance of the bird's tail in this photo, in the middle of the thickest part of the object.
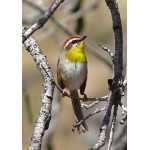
(78, 111)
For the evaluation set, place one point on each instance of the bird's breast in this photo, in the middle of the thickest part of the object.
(73, 74)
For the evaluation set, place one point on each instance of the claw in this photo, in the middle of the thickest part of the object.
(85, 98)
(64, 93)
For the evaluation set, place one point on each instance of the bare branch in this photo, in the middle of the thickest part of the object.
(112, 126)
(104, 98)
(42, 123)
(87, 106)
(40, 23)
(97, 100)
(91, 114)
(107, 50)
(117, 27)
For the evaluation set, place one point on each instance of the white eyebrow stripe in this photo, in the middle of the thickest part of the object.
(71, 41)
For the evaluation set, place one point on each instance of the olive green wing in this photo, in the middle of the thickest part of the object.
(59, 79)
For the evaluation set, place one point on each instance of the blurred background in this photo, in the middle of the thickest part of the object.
(83, 17)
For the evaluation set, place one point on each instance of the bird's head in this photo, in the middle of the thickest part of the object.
(74, 42)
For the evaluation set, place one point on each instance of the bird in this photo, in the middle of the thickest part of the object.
(72, 74)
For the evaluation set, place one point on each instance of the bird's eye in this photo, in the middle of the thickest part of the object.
(73, 42)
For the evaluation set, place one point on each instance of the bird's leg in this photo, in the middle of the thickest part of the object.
(85, 96)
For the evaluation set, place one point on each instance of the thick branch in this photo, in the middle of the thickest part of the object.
(117, 27)
(40, 23)
(114, 83)
(42, 123)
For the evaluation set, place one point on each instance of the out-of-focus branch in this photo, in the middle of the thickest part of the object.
(40, 23)
(120, 138)
(42, 123)
(80, 21)
(27, 102)
(78, 14)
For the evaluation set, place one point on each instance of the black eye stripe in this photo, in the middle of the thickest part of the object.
(73, 42)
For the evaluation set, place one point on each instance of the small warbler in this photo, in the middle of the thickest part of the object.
(72, 74)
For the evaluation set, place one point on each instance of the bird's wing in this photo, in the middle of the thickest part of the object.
(59, 79)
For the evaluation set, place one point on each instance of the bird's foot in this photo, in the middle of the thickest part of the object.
(64, 93)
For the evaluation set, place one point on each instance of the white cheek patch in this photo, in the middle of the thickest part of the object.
(74, 45)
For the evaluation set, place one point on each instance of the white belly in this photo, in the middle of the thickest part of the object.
(73, 74)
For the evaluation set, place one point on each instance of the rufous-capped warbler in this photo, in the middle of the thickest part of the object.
(72, 73)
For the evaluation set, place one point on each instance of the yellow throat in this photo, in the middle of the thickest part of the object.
(76, 54)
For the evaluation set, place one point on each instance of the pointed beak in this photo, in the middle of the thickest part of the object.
(82, 38)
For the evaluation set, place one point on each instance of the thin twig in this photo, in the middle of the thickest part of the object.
(96, 101)
(90, 115)
(107, 50)
(87, 106)
(104, 98)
